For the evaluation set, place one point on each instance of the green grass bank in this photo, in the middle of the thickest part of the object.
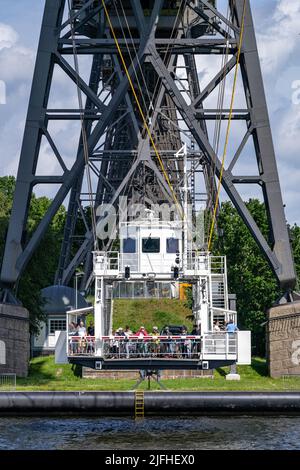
(151, 312)
(44, 375)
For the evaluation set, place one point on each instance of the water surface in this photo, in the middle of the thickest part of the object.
(246, 432)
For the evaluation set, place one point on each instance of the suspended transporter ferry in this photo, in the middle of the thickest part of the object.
(154, 260)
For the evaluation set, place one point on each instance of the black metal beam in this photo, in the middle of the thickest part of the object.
(32, 139)
(116, 117)
(284, 277)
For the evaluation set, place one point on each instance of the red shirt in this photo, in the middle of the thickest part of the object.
(142, 332)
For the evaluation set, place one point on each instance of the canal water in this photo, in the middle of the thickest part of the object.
(234, 433)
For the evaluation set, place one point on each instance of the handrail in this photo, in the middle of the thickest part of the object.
(134, 337)
(115, 260)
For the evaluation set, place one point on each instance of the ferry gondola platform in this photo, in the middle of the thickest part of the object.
(100, 363)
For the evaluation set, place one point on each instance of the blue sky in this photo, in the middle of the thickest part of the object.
(277, 24)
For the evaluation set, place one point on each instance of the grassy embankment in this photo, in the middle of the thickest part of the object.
(46, 375)
(151, 312)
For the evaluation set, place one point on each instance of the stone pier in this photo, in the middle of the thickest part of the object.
(14, 340)
(283, 340)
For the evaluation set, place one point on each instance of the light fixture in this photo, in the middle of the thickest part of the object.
(176, 272)
(127, 272)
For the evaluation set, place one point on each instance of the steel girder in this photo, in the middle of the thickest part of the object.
(16, 256)
(112, 116)
(278, 250)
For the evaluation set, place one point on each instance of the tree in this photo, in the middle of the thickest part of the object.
(295, 237)
(249, 275)
(40, 271)
(7, 186)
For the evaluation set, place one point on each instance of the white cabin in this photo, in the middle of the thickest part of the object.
(150, 246)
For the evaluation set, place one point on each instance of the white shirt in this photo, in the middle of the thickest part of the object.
(82, 331)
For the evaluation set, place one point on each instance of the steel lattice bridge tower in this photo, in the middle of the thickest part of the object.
(163, 44)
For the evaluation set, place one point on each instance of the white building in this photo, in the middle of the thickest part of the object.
(58, 300)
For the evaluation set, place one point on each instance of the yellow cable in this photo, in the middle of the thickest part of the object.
(228, 126)
(181, 213)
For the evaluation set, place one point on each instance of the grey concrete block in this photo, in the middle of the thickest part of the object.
(282, 334)
(14, 335)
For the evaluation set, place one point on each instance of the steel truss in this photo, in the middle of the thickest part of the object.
(120, 155)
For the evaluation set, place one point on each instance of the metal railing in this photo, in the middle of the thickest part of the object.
(218, 264)
(178, 347)
(116, 261)
(81, 345)
(218, 293)
(7, 382)
(132, 347)
(221, 343)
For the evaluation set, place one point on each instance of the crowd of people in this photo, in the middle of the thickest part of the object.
(164, 343)
(125, 343)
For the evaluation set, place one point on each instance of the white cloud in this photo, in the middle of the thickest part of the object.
(288, 136)
(16, 64)
(8, 36)
(16, 69)
(278, 40)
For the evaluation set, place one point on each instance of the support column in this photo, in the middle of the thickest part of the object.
(283, 340)
(99, 314)
(14, 340)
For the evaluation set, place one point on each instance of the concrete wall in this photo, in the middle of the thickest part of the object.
(14, 340)
(134, 374)
(283, 340)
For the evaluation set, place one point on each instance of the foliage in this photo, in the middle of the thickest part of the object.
(189, 298)
(7, 185)
(40, 271)
(295, 237)
(249, 274)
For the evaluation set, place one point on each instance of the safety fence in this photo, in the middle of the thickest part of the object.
(7, 382)
(180, 347)
(224, 344)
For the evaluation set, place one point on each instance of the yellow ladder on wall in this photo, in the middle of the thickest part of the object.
(139, 408)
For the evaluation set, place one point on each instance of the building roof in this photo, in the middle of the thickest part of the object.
(60, 299)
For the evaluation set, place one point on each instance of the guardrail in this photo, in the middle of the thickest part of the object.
(78, 345)
(116, 261)
(121, 347)
(7, 382)
(213, 345)
(222, 343)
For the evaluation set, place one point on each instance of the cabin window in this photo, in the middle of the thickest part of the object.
(172, 245)
(129, 245)
(57, 325)
(151, 245)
